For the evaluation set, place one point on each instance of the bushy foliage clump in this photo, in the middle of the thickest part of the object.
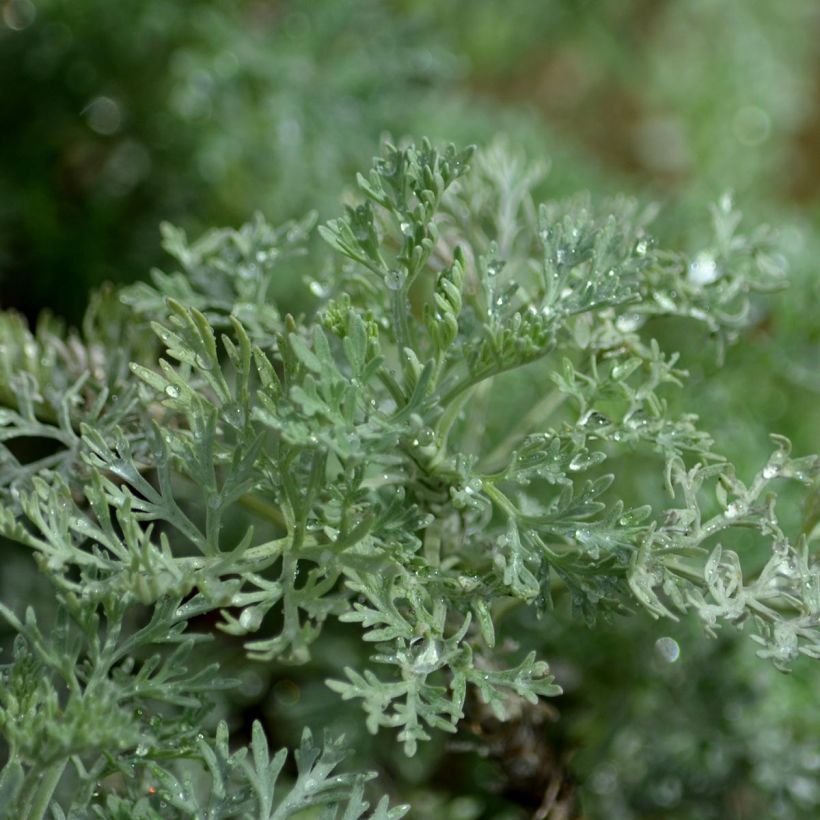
(464, 453)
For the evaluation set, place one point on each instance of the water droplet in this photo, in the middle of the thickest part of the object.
(628, 322)
(428, 658)
(703, 269)
(771, 471)
(620, 371)
(251, 618)
(636, 419)
(468, 582)
(394, 280)
(474, 486)
(734, 510)
(318, 289)
(424, 437)
(665, 302)
(785, 646)
(580, 461)
(141, 750)
(787, 567)
(593, 419)
(234, 415)
(203, 362)
(582, 535)
(172, 391)
(668, 649)
(495, 267)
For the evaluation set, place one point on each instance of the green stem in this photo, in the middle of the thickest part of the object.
(501, 500)
(37, 795)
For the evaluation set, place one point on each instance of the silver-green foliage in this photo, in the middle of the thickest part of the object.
(346, 440)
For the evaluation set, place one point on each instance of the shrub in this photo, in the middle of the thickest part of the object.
(467, 439)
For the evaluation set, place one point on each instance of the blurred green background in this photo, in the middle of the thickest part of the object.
(120, 115)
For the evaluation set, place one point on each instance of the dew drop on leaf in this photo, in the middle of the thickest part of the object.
(394, 279)
(703, 269)
(636, 419)
(628, 322)
(734, 510)
(424, 437)
(251, 618)
(580, 461)
(593, 419)
(428, 658)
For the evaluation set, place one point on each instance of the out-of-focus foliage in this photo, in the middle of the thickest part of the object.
(119, 115)
(690, 96)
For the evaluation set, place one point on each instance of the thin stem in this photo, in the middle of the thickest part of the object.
(37, 795)
(501, 500)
